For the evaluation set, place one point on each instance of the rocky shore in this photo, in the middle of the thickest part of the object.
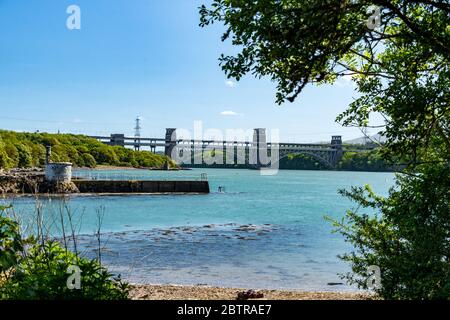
(172, 292)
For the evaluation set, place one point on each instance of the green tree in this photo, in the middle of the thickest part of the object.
(105, 155)
(409, 239)
(4, 159)
(400, 65)
(364, 161)
(401, 68)
(25, 158)
(88, 160)
(302, 162)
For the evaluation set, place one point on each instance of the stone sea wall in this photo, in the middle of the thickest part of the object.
(33, 181)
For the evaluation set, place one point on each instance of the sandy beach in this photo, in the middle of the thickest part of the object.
(172, 292)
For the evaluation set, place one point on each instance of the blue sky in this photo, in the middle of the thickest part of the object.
(140, 57)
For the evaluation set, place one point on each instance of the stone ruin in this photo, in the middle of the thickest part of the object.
(37, 181)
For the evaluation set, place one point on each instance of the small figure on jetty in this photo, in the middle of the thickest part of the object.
(221, 189)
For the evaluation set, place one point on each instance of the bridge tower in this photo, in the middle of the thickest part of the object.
(259, 154)
(336, 143)
(117, 139)
(171, 141)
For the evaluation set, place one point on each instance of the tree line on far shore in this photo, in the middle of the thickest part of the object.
(23, 150)
(370, 160)
(364, 160)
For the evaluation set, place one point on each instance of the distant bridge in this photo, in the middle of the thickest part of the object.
(257, 153)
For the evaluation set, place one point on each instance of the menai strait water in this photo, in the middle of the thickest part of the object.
(261, 232)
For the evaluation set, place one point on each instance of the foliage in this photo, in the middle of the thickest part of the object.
(87, 160)
(28, 149)
(401, 70)
(301, 162)
(24, 155)
(43, 275)
(4, 159)
(370, 160)
(409, 240)
(32, 269)
(364, 161)
(10, 241)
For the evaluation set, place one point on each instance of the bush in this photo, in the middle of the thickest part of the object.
(43, 275)
(10, 242)
(40, 271)
(24, 156)
(301, 162)
(105, 155)
(410, 239)
(364, 161)
(5, 161)
(88, 160)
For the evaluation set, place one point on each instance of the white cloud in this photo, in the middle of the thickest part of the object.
(228, 113)
(347, 77)
(230, 83)
(345, 81)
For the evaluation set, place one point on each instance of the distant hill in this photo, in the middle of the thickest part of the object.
(377, 137)
(22, 150)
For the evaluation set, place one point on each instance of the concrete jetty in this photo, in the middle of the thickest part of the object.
(141, 187)
(57, 180)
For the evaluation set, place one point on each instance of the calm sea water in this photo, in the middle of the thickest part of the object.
(260, 232)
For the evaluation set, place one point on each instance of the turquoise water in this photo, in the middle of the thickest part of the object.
(261, 232)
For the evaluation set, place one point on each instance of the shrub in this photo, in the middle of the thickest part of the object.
(24, 156)
(10, 242)
(43, 275)
(301, 161)
(88, 160)
(105, 155)
(409, 240)
(33, 269)
(5, 161)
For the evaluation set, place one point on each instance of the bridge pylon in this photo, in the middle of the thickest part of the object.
(258, 155)
(171, 141)
(336, 143)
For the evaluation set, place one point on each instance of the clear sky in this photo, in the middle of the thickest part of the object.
(143, 58)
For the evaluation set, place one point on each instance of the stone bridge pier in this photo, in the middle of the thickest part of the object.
(171, 141)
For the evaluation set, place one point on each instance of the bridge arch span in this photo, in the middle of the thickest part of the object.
(322, 160)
